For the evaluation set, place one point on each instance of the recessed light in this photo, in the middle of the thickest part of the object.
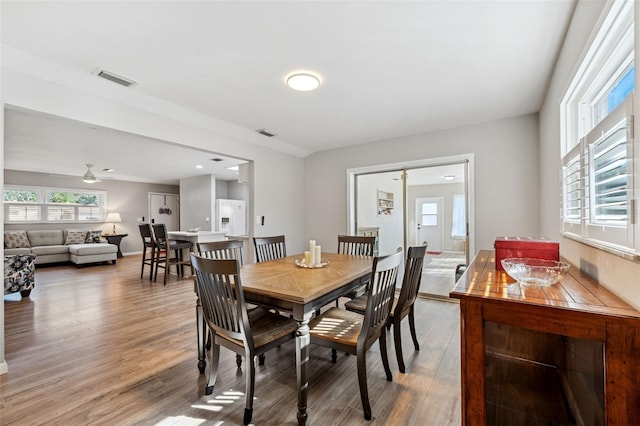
(199, 166)
(303, 82)
(234, 168)
(449, 177)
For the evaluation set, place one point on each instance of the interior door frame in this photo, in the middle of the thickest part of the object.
(466, 159)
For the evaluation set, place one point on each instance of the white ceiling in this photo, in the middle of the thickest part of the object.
(29, 138)
(388, 68)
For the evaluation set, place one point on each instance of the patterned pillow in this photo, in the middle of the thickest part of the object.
(75, 236)
(93, 236)
(16, 239)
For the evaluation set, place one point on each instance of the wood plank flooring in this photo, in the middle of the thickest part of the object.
(99, 346)
(438, 273)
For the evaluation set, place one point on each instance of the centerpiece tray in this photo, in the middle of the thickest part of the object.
(301, 264)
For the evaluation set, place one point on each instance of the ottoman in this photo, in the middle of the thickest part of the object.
(91, 253)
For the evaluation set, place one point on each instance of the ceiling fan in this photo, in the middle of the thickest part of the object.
(88, 176)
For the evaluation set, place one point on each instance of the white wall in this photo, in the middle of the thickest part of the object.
(197, 207)
(506, 176)
(237, 190)
(390, 234)
(277, 193)
(619, 275)
(278, 177)
(222, 189)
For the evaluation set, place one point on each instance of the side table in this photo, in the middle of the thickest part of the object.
(115, 239)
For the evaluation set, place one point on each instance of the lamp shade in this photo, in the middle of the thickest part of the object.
(113, 217)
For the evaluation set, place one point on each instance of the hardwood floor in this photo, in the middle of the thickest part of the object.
(438, 274)
(100, 346)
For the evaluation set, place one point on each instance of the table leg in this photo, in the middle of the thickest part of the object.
(202, 333)
(302, 366)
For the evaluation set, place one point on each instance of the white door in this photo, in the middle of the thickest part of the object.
(165, 208)
(429, 224)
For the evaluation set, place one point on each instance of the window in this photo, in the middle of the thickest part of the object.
(429, 214)
(41, 204)
(458, 220)
(22, 196)
(598, 196)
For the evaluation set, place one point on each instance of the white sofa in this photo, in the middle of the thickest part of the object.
(52, 246)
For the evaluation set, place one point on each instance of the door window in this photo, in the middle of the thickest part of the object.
(429, 214)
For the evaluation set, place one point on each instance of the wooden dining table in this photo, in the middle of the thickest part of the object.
(282, 285)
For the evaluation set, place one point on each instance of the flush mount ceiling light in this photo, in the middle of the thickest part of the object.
(303, 81)
(88, 176)
(449, 177)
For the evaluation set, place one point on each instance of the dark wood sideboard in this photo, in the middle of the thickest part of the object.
(564, 354)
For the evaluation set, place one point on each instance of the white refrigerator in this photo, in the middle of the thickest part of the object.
(231, 217)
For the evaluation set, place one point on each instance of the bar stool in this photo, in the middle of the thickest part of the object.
(163, 248)
(147, 243)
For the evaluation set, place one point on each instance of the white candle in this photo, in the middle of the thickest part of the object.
(307, 257)
(312, 252)
(318, 255)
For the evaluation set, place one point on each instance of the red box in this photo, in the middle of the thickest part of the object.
(537, 248)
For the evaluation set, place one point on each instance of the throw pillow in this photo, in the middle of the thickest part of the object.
(93, 236)
(16, 239)
(75, 236)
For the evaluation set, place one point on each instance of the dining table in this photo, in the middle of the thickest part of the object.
(286, 286)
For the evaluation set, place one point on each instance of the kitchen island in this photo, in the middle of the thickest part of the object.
(197, 236)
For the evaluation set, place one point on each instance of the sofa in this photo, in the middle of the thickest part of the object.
(79, 246)
(19, 274)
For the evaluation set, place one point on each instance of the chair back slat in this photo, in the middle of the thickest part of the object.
(381, 290)
(227, 249)
(356, 245)
(270, 248)
(412, 279)
(221, 296)
(159, 233)
(146, 233)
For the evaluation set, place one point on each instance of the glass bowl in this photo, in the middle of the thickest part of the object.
(535, 272)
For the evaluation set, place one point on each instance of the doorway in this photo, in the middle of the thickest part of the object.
(425, 201)
(165, 208)
(428, 219)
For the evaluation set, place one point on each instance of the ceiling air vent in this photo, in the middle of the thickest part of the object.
(266, 133)
(114, 78)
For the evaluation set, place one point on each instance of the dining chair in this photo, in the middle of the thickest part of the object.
(403, 305)
(163, 249)
(230, 324)
(147, 245)
(226, 249)
(354, 333)
(356, 246)
(269, 248)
